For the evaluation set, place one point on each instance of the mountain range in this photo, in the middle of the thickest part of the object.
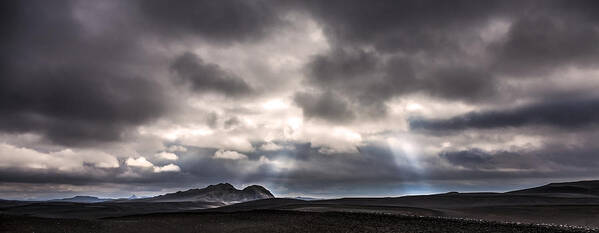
(225, 193)
(571, 203)
(82, 199)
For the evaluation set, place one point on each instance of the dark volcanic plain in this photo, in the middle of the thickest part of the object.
(559, 207)
(267, 221)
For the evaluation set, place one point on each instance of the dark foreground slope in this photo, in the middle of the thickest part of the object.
(488, 206)
(267, 221)
(97, 210)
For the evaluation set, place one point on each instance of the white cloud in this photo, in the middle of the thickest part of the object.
(167, 168)
(270, 146)
(335, 140)
(144, 163)
(167, 156)
(176, 148)
(228, 154)
(64, 160)
(139, 162)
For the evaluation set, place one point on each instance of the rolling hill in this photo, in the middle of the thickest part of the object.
(566, 189)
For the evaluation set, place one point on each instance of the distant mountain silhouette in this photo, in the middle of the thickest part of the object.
(566, 189)
(82, 199)
(223, 192)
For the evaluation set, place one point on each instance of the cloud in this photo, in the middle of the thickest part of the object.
(561, 114)
(341, 67)
(326, 106)
(204, 77)
(270, 146)
(537, 44)
(231, 122)
(167, 168)
(228, 154)
(460, 83)
(65, 160)
(63, 83)
(142, 162)
(548, 160)
(176, 148)
(138, 162)
(167, 156)
(451, 51)
(368, 80)
(407, 26)
(223, 22)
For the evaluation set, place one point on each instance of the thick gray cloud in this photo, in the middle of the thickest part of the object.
(560, 113)
(409, 26)
(480, 160)
(325, 106)
(205, 77)
(434, 42)
(220, 22)
(543, 42)
(369, 80)
(553, 160)
(71, 86)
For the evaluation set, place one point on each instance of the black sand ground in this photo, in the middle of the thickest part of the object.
(266, 221)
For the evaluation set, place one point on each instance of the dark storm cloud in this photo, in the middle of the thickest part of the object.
(409, 26)
(78, 85)
(539, 43)
(66, 84)
(433, 42)
(479, 159)
(355, 74)
(369, 80)
(343, 66)
(552, 160)
(49, 176)
(218, 21)
(549, 31)
(326, 106)
(460, 83)
(206, 77)
(559, 113)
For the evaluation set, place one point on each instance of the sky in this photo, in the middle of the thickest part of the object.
(307, 98)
